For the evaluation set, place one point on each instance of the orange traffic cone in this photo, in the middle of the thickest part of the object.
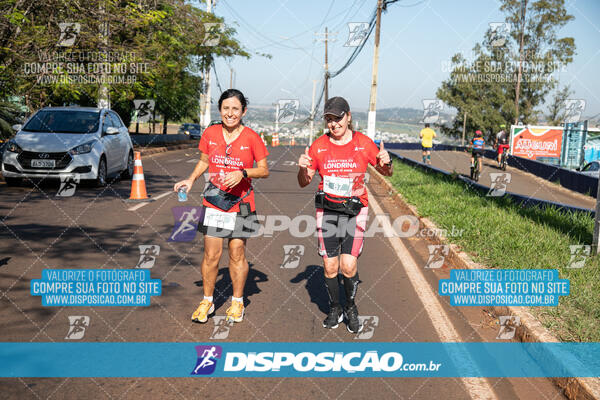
(293, 142)
(275, 140)
(138, 184)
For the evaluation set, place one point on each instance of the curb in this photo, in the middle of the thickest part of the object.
(530, 330)
(155, 150)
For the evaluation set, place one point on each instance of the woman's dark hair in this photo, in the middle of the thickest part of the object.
(233, 93)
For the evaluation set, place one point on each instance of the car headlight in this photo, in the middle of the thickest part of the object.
(13, 147)
(83, 148)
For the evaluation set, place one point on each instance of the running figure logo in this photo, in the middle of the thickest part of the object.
(573, 110)
(68, 33)
(579, 255)
(357, 33)
(212, 33)
(287, 110)
(77, 326)
(369, 323)
(207, 359)
(437, 255)
(148, 254)
(508, 327)
(143, 110)
(186, 223)
(431, 110)
(67, 186)
(499, 32)
(291, 255)
(221, 329)
(500, 181)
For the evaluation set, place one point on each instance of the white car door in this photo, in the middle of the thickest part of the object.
(110, 143)
(121, 140)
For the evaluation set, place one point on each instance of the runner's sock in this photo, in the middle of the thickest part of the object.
(428, 157)
(333, 289)
(240, 299)
(350, 286)
(209, 298)
(424, 158)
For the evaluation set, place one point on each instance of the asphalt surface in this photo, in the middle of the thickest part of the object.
(521, 182)
(95, 229)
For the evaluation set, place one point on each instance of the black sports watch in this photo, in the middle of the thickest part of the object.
(245, 173)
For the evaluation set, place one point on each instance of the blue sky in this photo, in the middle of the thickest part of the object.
(416, 41)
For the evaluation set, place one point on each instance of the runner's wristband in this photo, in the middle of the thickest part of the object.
(245, 173)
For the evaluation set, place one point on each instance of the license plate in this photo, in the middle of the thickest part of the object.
(43, 163)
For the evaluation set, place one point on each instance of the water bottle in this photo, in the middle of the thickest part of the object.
(182, 193)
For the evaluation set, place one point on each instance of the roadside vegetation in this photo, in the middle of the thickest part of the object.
(500, 234)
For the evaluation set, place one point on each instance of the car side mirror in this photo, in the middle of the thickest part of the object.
(17, 127)
(111, 130)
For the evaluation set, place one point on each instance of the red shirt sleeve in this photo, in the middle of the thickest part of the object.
(312, 153)
(259, 150)
(371, 150)
(203, 145)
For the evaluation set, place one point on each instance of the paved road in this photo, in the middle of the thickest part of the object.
(521, 182)
(95, 229)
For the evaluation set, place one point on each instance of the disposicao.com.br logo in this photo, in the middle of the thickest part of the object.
(322, 362)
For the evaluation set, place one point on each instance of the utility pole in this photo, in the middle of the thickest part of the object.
(326, 68)
(103, 93)
(277, 117)
(327, 39)
(206, 77)
(464, 127)
(231, 77)
(373, 98)
(519, 73)
(312, 113)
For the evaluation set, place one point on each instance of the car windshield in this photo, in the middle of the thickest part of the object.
(63, 121)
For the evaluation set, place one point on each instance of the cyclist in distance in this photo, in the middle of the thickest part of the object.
(477, 145)
(501, 142)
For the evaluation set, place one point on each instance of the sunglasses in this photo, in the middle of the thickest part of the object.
(228, 150)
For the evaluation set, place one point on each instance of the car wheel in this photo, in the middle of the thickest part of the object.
(128, 172)
(101, 177)
(13, 181)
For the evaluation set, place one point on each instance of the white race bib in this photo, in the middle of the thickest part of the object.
(219, 219)
(337, 186)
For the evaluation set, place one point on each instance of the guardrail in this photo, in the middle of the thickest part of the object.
(524, 201)
(157, 139)
(567, 178)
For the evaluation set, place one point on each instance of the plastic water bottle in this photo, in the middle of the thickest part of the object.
(182, 193)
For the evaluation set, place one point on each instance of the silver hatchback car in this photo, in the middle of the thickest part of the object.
(62, 142)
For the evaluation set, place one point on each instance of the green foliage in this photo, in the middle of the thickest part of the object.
(485, 87)
(160, 43)
(500, 234)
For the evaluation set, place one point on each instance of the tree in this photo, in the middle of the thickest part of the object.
(157, 43)
(486, 86)
(556, 113)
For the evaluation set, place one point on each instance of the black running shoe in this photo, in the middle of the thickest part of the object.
(335, 316)
(353, 323)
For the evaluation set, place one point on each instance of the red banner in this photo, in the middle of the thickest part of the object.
(536, 142)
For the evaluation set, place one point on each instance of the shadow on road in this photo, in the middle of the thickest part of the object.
(224, 288)
(315, 285)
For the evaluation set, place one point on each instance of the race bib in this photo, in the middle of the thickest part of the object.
(337, 186)
(219, 219)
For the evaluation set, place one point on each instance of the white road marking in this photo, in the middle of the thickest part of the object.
(478, 388)
(140, 205)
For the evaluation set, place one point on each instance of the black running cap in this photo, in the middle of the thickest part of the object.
(336, 106)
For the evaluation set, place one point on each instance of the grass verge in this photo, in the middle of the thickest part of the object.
(500, 234)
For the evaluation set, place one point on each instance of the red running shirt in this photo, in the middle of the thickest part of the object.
(224, 158)
(342, 168)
